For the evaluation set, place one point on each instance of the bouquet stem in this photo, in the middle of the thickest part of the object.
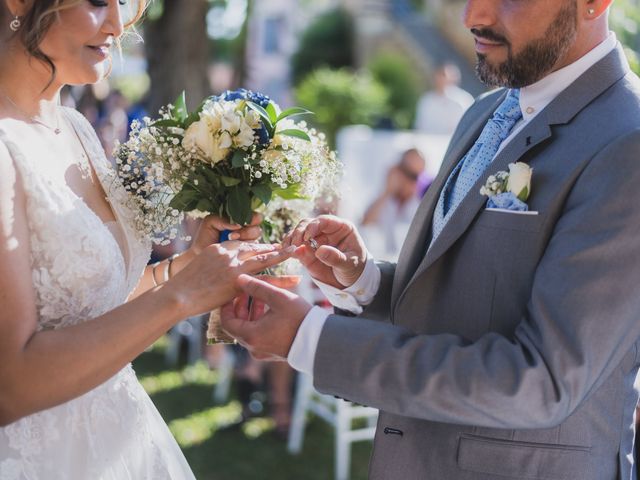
(215, 332)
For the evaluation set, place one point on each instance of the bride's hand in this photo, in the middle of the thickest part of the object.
(209, 281)
(211, 226)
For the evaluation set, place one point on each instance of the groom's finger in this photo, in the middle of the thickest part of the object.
(263, 291)
(295, 237)
(333, 257)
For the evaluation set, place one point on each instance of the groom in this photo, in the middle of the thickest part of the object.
(507, 343)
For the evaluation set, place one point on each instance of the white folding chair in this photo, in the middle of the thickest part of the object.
(338, 413)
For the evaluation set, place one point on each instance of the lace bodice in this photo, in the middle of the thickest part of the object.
(83, 268)
(79, 270)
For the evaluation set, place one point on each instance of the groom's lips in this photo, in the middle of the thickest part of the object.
(485, 46)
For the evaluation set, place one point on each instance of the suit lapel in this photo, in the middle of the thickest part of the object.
(415, 244)
(562, 110)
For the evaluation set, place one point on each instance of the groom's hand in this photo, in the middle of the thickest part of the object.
(268, 325)
(340, 256)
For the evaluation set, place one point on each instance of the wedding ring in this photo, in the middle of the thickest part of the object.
(313, 243)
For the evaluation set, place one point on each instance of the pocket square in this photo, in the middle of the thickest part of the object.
(512, 212)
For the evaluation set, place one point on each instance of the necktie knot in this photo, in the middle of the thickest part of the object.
(507, 114)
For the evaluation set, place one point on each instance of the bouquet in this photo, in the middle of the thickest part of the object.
(235, 154)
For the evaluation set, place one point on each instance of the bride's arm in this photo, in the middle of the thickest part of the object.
(208, 234)
(39, 370)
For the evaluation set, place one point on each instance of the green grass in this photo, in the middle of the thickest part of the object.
(216, 447)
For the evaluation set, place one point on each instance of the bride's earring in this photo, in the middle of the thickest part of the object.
(15, 24)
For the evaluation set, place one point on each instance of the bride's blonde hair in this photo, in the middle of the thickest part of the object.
(39, 18)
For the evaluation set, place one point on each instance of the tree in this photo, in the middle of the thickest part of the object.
(340, 98)
(328, 42)
(177, 49)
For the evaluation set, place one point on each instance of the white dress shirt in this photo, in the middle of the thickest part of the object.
(533, 99)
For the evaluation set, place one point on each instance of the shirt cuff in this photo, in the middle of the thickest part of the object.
(302, 354)
(357, 295)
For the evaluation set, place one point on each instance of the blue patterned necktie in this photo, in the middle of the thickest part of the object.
(476, 161)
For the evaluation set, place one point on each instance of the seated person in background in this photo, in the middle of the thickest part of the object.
(390, 215)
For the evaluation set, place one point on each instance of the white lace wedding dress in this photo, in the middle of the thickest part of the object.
(82, 268)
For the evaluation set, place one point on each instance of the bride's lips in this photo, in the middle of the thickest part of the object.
(102, 51)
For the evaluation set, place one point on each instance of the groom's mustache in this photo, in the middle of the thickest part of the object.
(489, 34)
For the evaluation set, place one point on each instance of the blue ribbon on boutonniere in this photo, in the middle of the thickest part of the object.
(507, 201)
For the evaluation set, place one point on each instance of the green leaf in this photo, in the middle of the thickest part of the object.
(230, 181)
(183, 200)
(166, 123)
(263, 192)
(290, 112)
(263, 113)
(238, 159)
(292, 192)
(212, 177)
(205, 205)
(180, 112)
(524, 194)
(295, 133)
(273, 114)
(239, 206)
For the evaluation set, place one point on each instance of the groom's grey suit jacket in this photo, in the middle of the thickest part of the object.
(510, 349)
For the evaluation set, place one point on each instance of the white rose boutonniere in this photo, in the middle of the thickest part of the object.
(509, 190)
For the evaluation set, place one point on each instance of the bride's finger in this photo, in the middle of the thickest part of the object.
(260, 262)
(219, 223)
(246, 249)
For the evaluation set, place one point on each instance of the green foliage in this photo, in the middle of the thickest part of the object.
(625, 21)
(397, 74)
(328, 42)
(340, 98)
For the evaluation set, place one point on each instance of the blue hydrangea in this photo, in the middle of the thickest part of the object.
(255, 97)
(244, 94)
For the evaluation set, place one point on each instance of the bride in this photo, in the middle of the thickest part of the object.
(77, 302)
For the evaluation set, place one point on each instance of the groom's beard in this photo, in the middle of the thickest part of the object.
(536, 59)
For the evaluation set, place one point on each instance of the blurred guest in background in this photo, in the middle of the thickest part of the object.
(440, 110)
(389, 216)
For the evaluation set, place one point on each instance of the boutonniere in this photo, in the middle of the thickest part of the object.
(509, 190)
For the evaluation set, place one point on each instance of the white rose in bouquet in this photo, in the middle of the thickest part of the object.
(202, 135)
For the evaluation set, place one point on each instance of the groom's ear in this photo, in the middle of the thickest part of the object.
(593, 9)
